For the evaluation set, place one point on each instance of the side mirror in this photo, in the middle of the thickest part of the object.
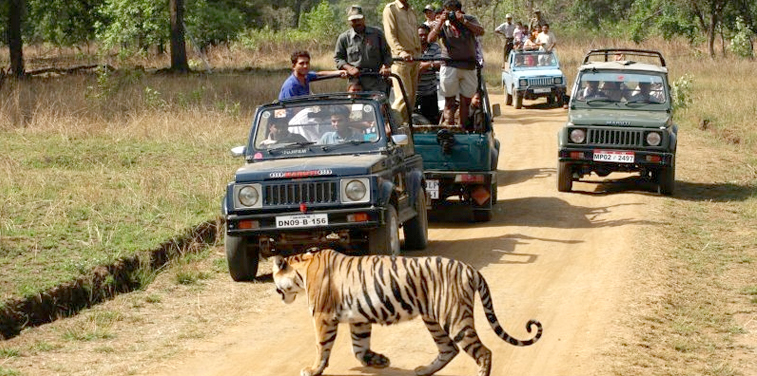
(238, 151)
(400, 139)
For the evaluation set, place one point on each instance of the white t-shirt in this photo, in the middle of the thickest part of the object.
(547, 40)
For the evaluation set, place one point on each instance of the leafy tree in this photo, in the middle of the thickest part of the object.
(63, 22)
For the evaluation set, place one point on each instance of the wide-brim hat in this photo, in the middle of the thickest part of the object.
(429, 8)
(355, 12)
(508, 15)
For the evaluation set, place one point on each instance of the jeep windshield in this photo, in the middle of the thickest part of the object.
(296, 129)
(535, 59)
(614, 88)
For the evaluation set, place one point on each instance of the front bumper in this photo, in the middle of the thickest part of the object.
(643, 159)
(532, 92)
(338, 219)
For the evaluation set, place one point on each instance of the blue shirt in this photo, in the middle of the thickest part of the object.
(292, 87)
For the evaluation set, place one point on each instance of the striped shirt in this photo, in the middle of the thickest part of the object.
(429, 79)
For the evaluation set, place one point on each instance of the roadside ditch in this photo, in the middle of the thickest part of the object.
(102, 283)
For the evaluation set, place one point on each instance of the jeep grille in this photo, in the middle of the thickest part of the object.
(545, 81)
(294, 193)
(615, 137)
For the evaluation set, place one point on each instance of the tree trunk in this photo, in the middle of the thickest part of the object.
(711, 35)
(178, 45)
(15, 42)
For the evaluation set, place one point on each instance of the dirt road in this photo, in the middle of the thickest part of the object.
(563, 259)
(559, 258)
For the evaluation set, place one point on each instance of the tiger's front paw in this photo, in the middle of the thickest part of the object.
(309, 372)
(375, 360)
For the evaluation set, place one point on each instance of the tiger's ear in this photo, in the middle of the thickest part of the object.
(279, 263)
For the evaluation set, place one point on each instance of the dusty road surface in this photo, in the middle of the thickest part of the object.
(559, 258)
(564, 259)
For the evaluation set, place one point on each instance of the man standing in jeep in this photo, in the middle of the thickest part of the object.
(363, 49)
(458, 32)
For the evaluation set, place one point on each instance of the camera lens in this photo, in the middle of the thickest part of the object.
(451, 16)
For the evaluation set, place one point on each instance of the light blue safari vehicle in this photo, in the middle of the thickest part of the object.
(531, 75)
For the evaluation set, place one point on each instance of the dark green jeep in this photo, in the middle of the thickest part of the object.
(334, 170)
(620, 120)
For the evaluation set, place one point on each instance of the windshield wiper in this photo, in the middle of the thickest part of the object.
(336, 146)
(290, 145)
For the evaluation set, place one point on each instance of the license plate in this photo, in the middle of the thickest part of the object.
(302, 220)
(432, 187)
(613, 156)
(542, 90)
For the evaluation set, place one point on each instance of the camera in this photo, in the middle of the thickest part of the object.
(451, 16)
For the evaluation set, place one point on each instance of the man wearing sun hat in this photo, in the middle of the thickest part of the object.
(430, 13)
(507, 29)
(363, 49)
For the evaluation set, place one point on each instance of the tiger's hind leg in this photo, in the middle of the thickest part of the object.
(468, 340)
(325, 332)
(361, 346)
(447, 349)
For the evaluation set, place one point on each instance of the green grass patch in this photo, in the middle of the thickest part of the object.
(9, 372)
(9, 352)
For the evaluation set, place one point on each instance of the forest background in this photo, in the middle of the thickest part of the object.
(128, 27)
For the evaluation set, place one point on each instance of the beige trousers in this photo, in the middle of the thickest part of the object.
(408, 72)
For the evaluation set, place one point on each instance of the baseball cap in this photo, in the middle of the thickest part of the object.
(429, 7)
(355, 12)
(508, 15)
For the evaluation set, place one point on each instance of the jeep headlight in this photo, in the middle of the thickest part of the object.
(355, 190)
(557, 80)
(577, 136)
(654, 138)
(249, 195)
(522, 82)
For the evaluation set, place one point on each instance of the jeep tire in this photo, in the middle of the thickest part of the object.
(416, 229)
(482, 215)
(666, 179)
(508, 98)
(242, 257)
(518, 99)
(564, 177)
(385, 240)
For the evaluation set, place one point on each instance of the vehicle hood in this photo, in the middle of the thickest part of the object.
(318, 166)
(615, 117)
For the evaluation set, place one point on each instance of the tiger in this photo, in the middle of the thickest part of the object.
(366, 290)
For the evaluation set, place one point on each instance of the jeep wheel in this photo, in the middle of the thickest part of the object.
(508, 98)
(560, 99)
(551, 99)
(242, 257)
(564, 177)
(482, 215)
(385, 240)
(416, 229)
(666, 179)
(494, 193)
(518, 99)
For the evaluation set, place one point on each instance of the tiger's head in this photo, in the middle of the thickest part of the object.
(288, 275)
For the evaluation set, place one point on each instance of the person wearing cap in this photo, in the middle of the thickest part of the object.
(363, 49)
(430, 13)
(401, 28)
(537, 21)
(458, 32)
(508, 30)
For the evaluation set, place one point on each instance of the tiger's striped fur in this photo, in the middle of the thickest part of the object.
(385, 290)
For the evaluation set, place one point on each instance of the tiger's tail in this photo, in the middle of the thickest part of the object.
(486, 301)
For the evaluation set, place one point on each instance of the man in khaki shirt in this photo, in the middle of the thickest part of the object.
(401, 29)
